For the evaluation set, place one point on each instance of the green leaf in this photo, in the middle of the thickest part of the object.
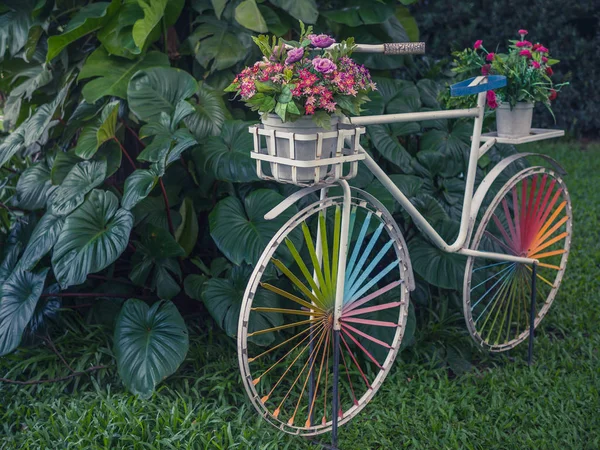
(437, 267)
(42, 240)
(89, 18)
(193, 286)
(93, 237)
(18, 297)
(112, 74)
(157, 90)
(187, 233)
(150, 343)
(138, 186)
(208, 116)
(240, 229)
(34, 187)
(273, 21)
(152, 210)
(453, 145)
(14, 29)
(408, 22)
(248, 15)
(36, 128)
(116, 36)
(154, 11)
(429, 91)
(216, 44)
(82, 178)
(12, 144)
(156, 253)
(166, 145)
(223, 300)
(93, 136)
(227, 156)
(303, 10)
(219, 7)
(389, 147)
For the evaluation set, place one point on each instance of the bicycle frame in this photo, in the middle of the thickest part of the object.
(469, 214)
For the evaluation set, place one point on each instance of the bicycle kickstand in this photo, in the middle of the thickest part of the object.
(532, 316)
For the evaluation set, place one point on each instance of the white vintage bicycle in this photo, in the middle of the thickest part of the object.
(325, 309)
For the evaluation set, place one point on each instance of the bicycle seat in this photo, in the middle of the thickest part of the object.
(477, 84)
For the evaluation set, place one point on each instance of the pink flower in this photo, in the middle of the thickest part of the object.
(525, 53)
(522, 44)
(321, 40)
(294, 55)
(542, 49)
(485, 69)
(523, 32)
(549, 71)
(324, 65)
(491, 99)
(490, 56)
(535, 64)
(544, 59)
(553, 95)
(309, 109)
(278, 52)
(478, 43)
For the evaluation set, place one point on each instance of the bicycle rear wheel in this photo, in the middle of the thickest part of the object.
(285, 339)
(531, 216)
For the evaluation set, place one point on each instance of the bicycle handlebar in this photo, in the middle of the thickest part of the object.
(392, 48)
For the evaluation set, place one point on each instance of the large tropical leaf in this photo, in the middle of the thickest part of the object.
(116, 36)
(154, 11)
(14, 27)
(155, 255)
(223, 299)
(248, 15)
(82, 178)
(151, 210)
(208, 116)
(304, 10)
(65, 161)
(157, 90)
(112, 74)
(93, 237)
(187, 233)
(12, 144)
(34, 187)
(149, 343)
(453, 144)
(35, 129)
(217, 44)
(227, 156)
(240, 229)
(18, 298)
(93, 136)
(42, 240)
(89, 18)
(138, 186)
(387, 144)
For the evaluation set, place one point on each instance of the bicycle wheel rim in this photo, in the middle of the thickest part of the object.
(531, 216)
(355, 365)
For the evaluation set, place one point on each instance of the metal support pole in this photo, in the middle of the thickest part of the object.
(335, 403)
(532, 315)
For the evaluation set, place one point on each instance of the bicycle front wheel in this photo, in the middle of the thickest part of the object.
(285, 339)
(530, 217)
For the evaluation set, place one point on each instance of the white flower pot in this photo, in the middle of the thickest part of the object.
(304, 150)
(515, 122)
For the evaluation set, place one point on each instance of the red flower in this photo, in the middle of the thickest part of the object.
(553, 95)
(542, 49)
(522, 44)
(536, 46)
(490, 56)
(523, 32)
(485, 69)
(535, 64)
(525, 53)
(477, 44)
(549, 71)
(544, 59)
(491, 99)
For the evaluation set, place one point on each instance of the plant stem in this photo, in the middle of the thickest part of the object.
(167, 207)
(55, 350)
(132, 131)
(125, 153)
(53, 380)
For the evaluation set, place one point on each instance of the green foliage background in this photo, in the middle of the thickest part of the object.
(569, 28)
(126, 169)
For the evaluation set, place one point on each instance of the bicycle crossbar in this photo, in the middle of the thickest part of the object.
(414, 117)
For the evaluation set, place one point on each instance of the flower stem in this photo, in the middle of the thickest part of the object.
(167, 207)
(125, 153)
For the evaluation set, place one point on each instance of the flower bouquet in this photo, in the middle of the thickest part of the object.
(303, 87)
(528, 71)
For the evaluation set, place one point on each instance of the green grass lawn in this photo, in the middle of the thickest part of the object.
(502, 403)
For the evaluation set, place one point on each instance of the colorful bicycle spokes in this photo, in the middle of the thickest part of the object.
(292, 377)
(530, 217)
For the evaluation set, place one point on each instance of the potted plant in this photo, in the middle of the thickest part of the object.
(303, 87)
(528, 71)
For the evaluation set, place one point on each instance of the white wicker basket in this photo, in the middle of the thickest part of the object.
(311, 168)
